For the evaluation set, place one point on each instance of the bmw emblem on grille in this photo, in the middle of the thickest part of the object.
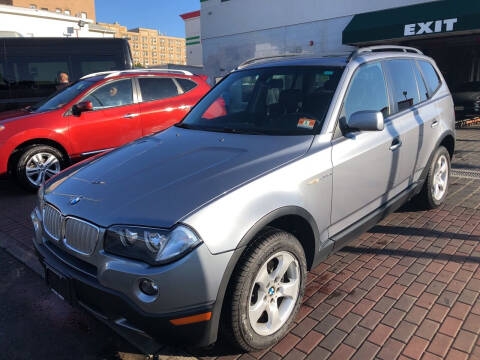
(75, 200)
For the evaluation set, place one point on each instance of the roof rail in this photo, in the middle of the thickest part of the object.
(380, 48)
(110, 74)
(96, 74)
(254, 60)
(175, 71)
(137, 71)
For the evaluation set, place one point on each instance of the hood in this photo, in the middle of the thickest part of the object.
(13, 114)
(160, 179)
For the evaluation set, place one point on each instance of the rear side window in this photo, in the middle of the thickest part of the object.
(403, 83)
(157, 88)
(367, 91)
(422, 89)
(431, 77)
(187, 85)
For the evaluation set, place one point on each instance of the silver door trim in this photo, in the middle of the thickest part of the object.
(95, 152)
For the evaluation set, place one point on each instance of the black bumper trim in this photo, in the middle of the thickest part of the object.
(112, 305)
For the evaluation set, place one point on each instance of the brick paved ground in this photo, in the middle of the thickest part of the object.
(408, 289)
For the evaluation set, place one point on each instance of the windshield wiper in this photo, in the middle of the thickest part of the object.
(219, 129)
(186, 126)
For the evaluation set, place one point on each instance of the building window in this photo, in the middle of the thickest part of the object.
(67, 12)
(83, 15)
(58, 11)
(32, 6)
(144, 39)
(45, 9)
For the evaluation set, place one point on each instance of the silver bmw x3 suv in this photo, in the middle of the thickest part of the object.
(213, 223)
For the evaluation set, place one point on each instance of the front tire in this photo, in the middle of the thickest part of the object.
(267, 290)
(435, 189)
(36, 164)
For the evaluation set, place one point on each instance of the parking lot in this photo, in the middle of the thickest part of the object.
(409, 287)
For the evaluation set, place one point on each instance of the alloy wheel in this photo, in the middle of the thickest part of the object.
(440, 178)
(41, 166)
(274, 293)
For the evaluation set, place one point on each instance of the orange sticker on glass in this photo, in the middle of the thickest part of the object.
(306, 123)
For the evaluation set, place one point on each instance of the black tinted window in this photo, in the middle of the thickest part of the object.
(367, 91)
(422, 89)
(96, 65)
(403, 84)
(32, 73)
(157, 88)
(186, 84)
(3, 83)
(430, 75)
(117, 93)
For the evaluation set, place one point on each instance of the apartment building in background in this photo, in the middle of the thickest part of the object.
(149, 47)
(84, 9)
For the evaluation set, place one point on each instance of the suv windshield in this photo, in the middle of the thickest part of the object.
(59, 99)
(277, 100)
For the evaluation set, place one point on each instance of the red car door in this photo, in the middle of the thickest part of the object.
(163, 103)
(114, 120)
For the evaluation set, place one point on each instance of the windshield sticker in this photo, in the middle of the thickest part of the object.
(306, 123)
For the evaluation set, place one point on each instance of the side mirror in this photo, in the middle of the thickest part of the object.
(81, 107)
(366, 121)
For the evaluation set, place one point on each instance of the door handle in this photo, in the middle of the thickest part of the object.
(396, 144)
(435, 124)
(130, 116)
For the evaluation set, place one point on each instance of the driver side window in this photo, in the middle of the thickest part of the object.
(114, 94)
(367, 92)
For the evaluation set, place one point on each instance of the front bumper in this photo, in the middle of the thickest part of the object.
(109, 290)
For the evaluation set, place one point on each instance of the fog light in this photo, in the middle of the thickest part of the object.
(148, 287)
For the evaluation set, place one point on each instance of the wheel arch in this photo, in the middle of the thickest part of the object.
(448, 141)
(293, 219)
(37, 141)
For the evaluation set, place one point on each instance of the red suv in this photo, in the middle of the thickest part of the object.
(99, 112)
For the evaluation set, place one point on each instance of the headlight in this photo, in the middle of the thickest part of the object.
(153, 246)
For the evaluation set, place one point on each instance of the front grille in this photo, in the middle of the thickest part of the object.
(80, 236)
(52, 221)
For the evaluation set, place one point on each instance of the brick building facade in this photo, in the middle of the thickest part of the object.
(80, 8)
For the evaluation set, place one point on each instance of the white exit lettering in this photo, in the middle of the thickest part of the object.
(430, 27)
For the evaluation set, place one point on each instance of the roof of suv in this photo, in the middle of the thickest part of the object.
(113, 74)
(360, 54)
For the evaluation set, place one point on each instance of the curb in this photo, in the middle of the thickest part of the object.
(10, 245)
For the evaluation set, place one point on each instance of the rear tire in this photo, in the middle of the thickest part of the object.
(435, 188)
(266, 291)
(36, 164)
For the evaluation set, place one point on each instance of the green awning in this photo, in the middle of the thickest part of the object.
(437, 18)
